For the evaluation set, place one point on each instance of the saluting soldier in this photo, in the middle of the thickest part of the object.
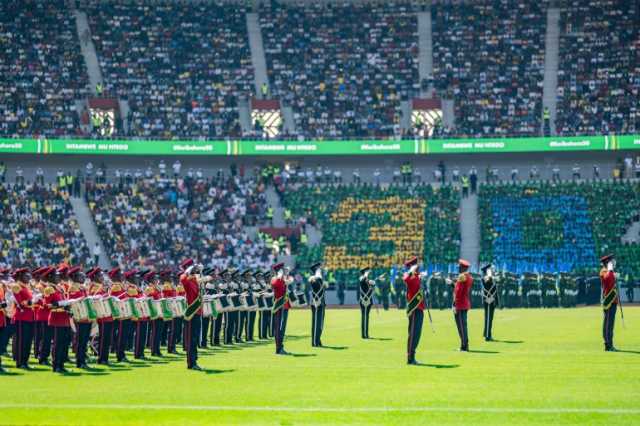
(191, 282)
(610, 300)
(462, 303)
(365, 300)
(318, 304)
(415, 307)
(489, 299)
(281, 306)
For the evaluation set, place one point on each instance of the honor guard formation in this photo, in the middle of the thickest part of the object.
(52, 311)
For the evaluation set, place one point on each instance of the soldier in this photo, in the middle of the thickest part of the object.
(243, 285)
(191, 282)
(42, 333)
(415, 307)
(59, 320)
(318, 304)
(216, 327)
(610, 300)
(489, 300)
(461, 302)
(105, 325)
(3, 316)
(169, 292)
(266, 327)
(83, 328)
(254, 291)
(281, 306)
(157, 325)
(123, 326)
(365, 295)
(23, 317)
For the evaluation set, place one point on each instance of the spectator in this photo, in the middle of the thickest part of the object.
(96, 253)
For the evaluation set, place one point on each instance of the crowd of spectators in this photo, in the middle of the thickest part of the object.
(159, 221)
(547, 226)
(42, 71)
(599, 70)
(181, 66)
(37, 227)
(379, 227)
(489, 57)
(343, 68)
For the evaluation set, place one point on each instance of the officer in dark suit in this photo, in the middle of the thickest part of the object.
(365, 300)
(318, 303)
(489, 299)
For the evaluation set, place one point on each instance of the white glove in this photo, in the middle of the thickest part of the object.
(413, 269)
(423, 274)
(448, 281)
(610, 266)
(489, 273)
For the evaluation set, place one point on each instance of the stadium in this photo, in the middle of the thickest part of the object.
(319, 212)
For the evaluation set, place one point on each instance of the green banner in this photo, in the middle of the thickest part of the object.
(329, 147)
(470, 146)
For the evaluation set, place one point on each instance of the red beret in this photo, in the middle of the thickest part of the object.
(73, 270)
(19, 271)
(186, 263)
(149, 276)
(36, 272)
(92, 273)
(464, 263)
(277, 266)
(63, 270)
(114, 272)
(606, 258)
(413, 261)
(129, 274)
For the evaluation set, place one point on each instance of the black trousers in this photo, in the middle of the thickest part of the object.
(250, 325)
(61, 339)
(608, 323)
(179, 328)
(461, 324)
(269, 315)
(23, 338)
(205, 332)
(216, 329)
(489, 309)
(364, 320)
(155, 337)
(192, 330)
(242, 320)
(231, 324)
(83, 332)
(104, 342)
(125, 329)
(141, 328)
(5, 334)
(280, 327)
(317, 324)
(264, 326)
(115, 336)
(46, 335)
(38, 333)
(415, 332)
(172, 331)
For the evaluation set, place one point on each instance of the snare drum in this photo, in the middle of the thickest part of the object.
(262, 305)
(125, 309)
(114, 307)
(268, 300)
(300, 300)
(100, 307)
(143, 307)
(154, 309)
(207, 307)
(251, 302)
(235, 302)
(224, 303)
(165, 308)
(79, 310)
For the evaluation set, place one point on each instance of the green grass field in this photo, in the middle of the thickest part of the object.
(549, 367)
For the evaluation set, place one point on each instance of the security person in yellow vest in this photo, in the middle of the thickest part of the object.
(465, 186)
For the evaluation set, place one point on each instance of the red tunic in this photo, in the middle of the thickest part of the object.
(413, 286)
(58, 317)
(191, 289)
(169, 293)
(41, 311)
(608, 282)
(23, 295)
(461, 291)
(280, 290)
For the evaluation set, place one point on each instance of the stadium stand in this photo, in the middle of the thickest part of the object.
(37, 227)
(157, 222)
(182, 67)
(365, 225)
(599, 73)
(489, 56)
(342, 67)
(42, 69)
(547, 227)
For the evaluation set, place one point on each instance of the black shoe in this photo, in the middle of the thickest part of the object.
(412, 362)
(2, 370)
(83, 366)
(195, 367)
(173, 352)
(62, 370)
(25, 367)
(123, 359)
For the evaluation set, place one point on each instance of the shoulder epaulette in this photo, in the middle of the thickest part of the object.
(15, 288)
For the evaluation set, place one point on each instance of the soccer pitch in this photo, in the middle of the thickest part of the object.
(548, 366)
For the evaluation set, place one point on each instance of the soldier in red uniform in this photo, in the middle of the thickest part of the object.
(83, 327)
(124, 327)
(180, 323)
(157, 325)
(23, 318)
(610, 300)
(281, 306)
(169, 292)
(105, 325)
(462, 302)
(42, 333)
(191, 282)
(59, 320)
(415, 307)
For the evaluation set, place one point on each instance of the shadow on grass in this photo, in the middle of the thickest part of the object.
(10, 373)
(507, 341)
(421, 364)
(295, 355)
(628, 352)
(477, 351)
(335, 348)
(382, 339)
